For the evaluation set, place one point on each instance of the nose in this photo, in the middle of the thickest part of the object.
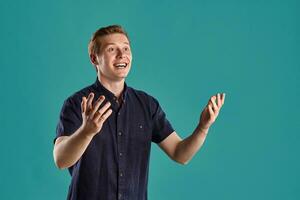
(120, 54)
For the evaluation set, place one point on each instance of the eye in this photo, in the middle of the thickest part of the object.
(110, 49)
(126, 49)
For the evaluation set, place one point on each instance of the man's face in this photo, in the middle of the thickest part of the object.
(114, 58)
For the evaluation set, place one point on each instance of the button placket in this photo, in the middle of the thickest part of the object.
(120, 142)
(120, 151)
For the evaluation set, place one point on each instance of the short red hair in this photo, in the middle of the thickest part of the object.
(95, 44)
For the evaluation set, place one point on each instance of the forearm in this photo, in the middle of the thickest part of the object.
(68, 151)
(188, 147)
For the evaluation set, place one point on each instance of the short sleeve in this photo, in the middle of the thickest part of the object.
(69, 119)
(161, 127)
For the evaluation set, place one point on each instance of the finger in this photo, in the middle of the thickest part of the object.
(83, 105)
(219, 102)
(210, 110)
(99, 101)
(102, 110)
(89, 101)
(105, 116)
(214, 105)
(211, 105)
(223, 98)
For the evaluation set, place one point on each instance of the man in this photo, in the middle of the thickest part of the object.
(105, 130)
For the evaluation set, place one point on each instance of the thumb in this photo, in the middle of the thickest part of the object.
(83, 105)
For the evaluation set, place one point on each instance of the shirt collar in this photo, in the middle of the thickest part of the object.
(100, 87)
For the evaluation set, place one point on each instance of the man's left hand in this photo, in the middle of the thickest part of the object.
(211, 111)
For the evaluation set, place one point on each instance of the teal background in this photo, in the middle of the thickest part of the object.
(183, 52)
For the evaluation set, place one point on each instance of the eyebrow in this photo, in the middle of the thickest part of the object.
(115, 43)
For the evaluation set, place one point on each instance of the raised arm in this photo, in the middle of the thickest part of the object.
(182, 151)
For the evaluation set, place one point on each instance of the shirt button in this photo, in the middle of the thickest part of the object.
(119, 113)
(120, 195)
(121, 174)
(120, 154)
(120, 133)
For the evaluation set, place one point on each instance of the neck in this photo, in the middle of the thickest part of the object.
(116, 87)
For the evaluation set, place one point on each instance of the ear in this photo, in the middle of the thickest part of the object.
(93, 59)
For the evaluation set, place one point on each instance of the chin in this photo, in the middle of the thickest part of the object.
(120, 78)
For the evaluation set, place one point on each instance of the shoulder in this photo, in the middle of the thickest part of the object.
(76, 97)
(144, 98)
(141, 94)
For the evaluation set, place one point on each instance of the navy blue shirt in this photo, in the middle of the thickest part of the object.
(115, 164)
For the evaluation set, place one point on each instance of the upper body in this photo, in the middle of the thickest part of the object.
(105, 130)
(116, 161)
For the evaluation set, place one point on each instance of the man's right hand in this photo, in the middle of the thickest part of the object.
(92, 118)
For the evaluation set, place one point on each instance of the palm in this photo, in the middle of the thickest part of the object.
(211, 111)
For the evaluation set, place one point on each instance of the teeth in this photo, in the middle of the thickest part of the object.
(123, 65)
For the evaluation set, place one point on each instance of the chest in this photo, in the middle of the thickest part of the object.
(128, 131)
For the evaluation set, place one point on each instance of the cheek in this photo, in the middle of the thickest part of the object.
(107, 59)
(130, 56)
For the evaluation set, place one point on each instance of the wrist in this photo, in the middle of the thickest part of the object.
(202, 129)
(85, 133)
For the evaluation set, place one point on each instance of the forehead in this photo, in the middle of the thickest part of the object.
(115, 38)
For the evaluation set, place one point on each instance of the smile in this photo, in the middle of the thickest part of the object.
(120, 65)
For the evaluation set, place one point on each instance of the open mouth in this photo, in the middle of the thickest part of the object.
(120, 65)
